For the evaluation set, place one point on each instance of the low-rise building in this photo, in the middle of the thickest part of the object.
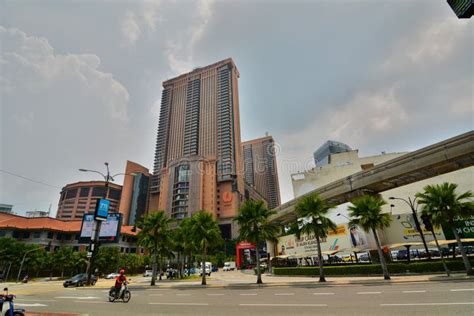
(58, 233)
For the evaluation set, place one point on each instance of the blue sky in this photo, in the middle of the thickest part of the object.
(80, 81)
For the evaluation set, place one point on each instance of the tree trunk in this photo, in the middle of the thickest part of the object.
(160, 267)
(440, 252)
(203, 266)
(259, 273)
(320, 261)
(386, 276)
(153, 267)
(467, 264)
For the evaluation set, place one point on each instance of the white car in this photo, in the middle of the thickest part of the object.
(148, 273)
(112, 275)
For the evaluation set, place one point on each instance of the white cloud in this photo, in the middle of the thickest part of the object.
(58, 112)
(130, 28)
(136, 22)
(432, 43)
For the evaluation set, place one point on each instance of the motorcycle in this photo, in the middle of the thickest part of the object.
(7, 307)
(125, 297)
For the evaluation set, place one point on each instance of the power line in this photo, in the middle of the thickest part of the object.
(28, 179)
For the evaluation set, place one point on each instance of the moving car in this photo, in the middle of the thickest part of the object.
(79, 280)
(112, 275)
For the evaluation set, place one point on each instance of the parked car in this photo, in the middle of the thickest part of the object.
(208, 269)
(364, 258)
(214, 269)
(228, 266)
(112, 275)
(79, 280)
(148, 273)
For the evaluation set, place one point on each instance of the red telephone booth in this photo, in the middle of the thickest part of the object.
(245, 252)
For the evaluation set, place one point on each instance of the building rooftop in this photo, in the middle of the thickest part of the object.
(47, 223)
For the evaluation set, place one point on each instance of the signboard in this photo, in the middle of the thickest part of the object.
(342, 239)
(101, 209)
(403, 229)
(109, 230)
(464, 227)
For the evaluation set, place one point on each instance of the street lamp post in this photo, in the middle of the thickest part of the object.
(93, 244)
(23, 261)
(413, 206)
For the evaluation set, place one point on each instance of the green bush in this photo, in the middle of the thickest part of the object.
(374, 269)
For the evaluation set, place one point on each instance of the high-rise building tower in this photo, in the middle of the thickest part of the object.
(198, 150)
(260, 168)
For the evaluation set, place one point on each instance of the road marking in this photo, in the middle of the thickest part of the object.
(323, 293)
(248, 294)
(78, 297)
(34, 300)
(187, 304)
(461, 290)
(283, 294)
(286, 305)
(31, 305)
(364, 293)
(428, 304)
(183, 294)
(420, 291)
(215, 294)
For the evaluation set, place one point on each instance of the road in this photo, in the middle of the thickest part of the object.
(418, 298)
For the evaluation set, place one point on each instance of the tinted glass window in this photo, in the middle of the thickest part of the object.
(98, 191)
(114, 194)
(36, 234)
(50, 235)
(71, 193)
(84, 192)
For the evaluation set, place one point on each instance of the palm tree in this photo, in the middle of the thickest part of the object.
(253, 220)
(155, 236)
(205, 231)
(312, 211)
(366, 212)
(443, 205)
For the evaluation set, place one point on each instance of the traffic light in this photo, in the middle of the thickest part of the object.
(427, 222)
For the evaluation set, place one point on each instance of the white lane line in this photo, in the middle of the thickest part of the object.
(155, 294)
(33, 300)
(328, 293)
(31, 305)
(284, 294)
(461, 290)
(179, 304)
(364, 293)
(248, 294)
(420, 291)
(286, 305)
(215, 294)
(183, 294)
(90, 302)
(78, 297)
(429, 304)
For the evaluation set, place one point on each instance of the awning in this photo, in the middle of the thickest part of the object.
(450, 241)
(404, 244)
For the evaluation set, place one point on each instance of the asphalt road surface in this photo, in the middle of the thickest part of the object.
(427, 298)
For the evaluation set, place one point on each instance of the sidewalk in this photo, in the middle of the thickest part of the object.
(244, 280)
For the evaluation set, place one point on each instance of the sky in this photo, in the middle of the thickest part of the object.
(80, 81)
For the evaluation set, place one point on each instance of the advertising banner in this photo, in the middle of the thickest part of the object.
(403, 229)
(342, 239)
(109, 230)
(464, 227)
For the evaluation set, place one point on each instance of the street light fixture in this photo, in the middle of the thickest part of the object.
(93, 245)
(413, 206)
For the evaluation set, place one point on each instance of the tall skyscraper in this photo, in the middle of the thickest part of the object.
(198, 153)
(260, 168)
(322, 155)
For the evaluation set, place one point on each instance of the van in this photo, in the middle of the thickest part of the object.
(228, 266)
(208, 268)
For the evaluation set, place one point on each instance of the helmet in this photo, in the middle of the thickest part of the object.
(122, 271)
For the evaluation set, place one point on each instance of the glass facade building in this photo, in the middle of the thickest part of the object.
(321, 155)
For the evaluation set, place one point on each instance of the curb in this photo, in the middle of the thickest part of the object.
(295, 284)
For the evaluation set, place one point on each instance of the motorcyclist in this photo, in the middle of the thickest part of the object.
(120, 281)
